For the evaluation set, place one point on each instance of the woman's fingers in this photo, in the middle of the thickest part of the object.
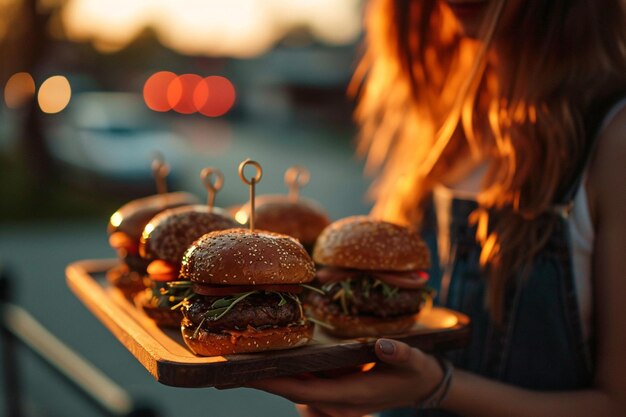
(401, 355)
(289, 387)
(350, 389)
(408, 374)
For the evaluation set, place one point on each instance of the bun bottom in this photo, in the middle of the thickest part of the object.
(349, 327)
(206, 343)
(162, 316)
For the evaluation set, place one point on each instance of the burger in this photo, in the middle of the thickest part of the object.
(301, 218)
(247, 286)
(125, 228)
(164, 241)
(373, 276)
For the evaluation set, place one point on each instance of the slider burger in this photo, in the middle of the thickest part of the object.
(163, 243)
(125, 228)
(247, 286)
(302, 219)
(374, 277)
(291, 215)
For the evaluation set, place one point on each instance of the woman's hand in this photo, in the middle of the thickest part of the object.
(405, 376)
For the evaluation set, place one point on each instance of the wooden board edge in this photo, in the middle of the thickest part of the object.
(169, 371)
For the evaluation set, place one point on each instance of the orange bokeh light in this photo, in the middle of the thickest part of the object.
(180, 93)
(54, 94)
(214, 96)
(155, 91)
(18, 90)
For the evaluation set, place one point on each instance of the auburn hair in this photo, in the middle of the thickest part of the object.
(431, 100)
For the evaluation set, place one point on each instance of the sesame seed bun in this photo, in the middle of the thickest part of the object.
(206, 343)
(302, 219)
(242, 257)
(168, 235)
(365, 243)
(133, 216)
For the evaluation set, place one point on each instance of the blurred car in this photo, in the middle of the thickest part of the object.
(114, 136)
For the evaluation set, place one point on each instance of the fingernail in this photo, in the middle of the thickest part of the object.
(386, 347)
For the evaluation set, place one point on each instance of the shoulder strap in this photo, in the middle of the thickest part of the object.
(592, 124)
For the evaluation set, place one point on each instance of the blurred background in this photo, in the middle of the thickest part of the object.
(91, 89)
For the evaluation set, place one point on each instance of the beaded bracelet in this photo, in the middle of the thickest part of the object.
(441, 390)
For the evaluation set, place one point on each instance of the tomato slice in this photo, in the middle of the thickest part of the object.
(163, 271)
(401, 279)
(410, 280)
(222, 290)
(121, 241)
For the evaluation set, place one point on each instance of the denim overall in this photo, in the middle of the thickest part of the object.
(539, 344)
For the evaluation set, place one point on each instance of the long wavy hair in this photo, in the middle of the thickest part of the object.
(431, 100)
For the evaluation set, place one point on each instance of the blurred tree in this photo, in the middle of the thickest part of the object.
(23, 42)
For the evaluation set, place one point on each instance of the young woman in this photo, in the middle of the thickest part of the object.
(499, 126)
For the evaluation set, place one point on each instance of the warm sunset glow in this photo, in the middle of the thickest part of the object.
(238, 28)
(180, 93)
(18, 90)
(241, 216)
(112, 24)
(54, 94)
(116, 219)
(214, 96)
(368, 366)
(147, 230)
(155, 91)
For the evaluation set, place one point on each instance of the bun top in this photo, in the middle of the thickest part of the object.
(168, 235)
(303, 219)
(366, 243)
(242, 257)
(133, 216)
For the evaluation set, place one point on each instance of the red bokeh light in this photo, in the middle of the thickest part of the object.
(180, 93)
(155, 91)
(214, 96)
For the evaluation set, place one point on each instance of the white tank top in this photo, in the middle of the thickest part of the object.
(579, 222)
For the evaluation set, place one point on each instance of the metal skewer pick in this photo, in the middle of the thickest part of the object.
(296, 177)
(212, 187)
(160, 171)
(252, 183)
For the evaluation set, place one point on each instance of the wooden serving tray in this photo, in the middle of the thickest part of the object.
(164, 354)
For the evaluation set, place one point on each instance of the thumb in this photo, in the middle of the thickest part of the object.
(399, 354)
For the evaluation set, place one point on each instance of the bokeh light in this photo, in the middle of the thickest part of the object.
(155, 91)
(19, 90)
(180, 93)
(214, 96)
(54, 94)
